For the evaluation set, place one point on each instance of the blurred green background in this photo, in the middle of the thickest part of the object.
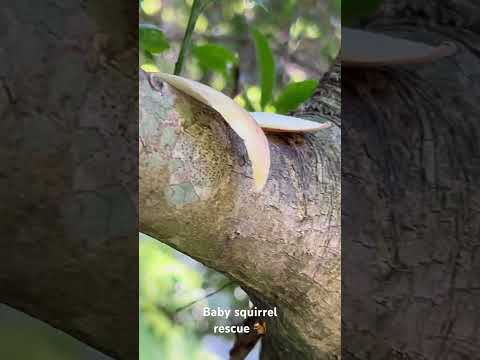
(169, 281)
(268, 55)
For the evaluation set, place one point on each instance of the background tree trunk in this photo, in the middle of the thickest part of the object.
(410, 199)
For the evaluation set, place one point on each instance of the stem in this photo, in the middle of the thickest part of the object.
(224, 286)
(187, 38)
(248, 104)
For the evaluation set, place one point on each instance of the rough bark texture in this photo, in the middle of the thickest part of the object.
(410, 198)
(282, 245)
(68, 177)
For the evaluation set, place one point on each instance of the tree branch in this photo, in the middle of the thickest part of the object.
(282, 245)
(187, 38)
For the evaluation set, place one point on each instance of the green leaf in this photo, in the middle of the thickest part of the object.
(266, 64)
(353, 10)
(214, 57)
(152, 39)
(147, 62)
(294, 94)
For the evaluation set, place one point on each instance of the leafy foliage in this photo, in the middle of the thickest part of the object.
(165, 285)
(221, 64)
(294, 94)
(152, 39)
(215, 57)
(261, 3)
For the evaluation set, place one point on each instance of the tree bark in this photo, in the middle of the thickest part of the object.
(282, 245)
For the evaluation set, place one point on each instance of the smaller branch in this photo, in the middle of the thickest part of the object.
(224, 286)
(248, 103)
(236, 82)
(197, 9)
(187, 38)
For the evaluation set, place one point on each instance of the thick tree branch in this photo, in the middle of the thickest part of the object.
(282, 245)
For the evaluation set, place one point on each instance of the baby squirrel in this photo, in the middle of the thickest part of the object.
(244, 343)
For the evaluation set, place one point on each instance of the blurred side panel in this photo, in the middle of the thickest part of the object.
(410, 195)
(69, 172)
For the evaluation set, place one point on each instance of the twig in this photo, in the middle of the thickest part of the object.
(248, 103)
(236, 81)
(197, 9)
(224, 286)
(187, 38)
